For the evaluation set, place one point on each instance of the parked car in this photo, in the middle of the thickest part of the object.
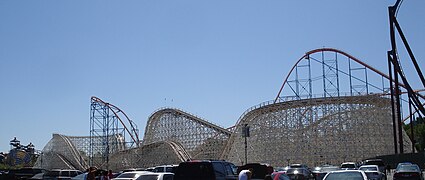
(320, 174)
(281, 169)
(260, 170)
(299, 173)
(372, 172)
(346, 174)
(205, 170)
(24, 173)
(280, 175)
(349, 166)
(61, 174)
(132, 175)
(379, 162)
(411, 171)
(156, 176)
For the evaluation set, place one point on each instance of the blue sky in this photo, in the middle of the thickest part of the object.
(214, 59)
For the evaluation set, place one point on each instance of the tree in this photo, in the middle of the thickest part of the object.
(418, 132)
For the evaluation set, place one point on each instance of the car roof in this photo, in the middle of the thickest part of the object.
(372, 165)
(346, 171)
(138, 172)
(349, 170)
(64, 170)
(348, 163)
(373, 160)
(158, 173)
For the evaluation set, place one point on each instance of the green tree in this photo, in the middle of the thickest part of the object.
(418, 132)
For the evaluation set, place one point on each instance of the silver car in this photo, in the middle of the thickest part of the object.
(346, 174)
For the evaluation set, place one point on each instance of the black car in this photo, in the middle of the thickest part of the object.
(411, 172)
(205, 170)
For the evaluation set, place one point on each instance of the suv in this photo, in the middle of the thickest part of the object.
(205, 170)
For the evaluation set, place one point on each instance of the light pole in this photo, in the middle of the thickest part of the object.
(245, 134)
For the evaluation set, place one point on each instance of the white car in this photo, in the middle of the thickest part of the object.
(348, 165)
(156, 176)
(346, 174)
(372, 172)
(131, 175)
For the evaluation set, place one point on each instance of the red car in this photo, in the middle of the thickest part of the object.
(280, 175)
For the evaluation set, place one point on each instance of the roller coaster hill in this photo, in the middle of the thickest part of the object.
(331, 108)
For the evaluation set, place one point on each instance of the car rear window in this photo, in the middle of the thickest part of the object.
(369, 169)
(408, 168)
(348, 166)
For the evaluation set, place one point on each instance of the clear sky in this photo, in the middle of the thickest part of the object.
(214, 59)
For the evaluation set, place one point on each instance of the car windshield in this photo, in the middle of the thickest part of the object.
(148, 177)
(371, 168)
(408, 168)
(345, 175)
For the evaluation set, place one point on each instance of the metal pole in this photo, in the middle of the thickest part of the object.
(392, 103)
(412, 136)
(394, 61)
